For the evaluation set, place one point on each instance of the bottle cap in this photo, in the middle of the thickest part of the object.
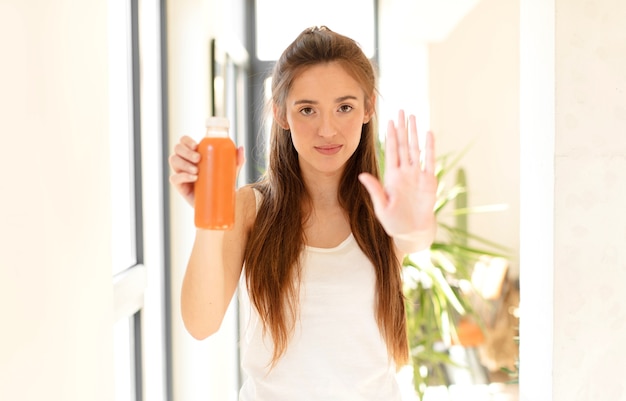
(218, 122)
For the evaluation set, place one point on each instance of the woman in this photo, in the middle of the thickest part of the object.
(319, 239)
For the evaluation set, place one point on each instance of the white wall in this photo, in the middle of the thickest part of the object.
(474, 100)
(56, 339)
(573, 64)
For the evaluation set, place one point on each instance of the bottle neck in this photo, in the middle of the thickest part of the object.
(216, 132)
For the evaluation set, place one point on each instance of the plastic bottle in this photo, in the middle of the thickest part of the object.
(214, 206)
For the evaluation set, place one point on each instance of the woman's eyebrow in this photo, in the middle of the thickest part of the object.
(337, 100)
(304, 101)
(344, 98)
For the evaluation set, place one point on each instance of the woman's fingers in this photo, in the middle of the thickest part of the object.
(391, 147)
(188, 142)
(181, 165)
(402, 145)
(183, 180)
(241, 157)
(186, 149)
(403, 140)
(414, 148)
(429, 158)
(185, 158)
(179, 179)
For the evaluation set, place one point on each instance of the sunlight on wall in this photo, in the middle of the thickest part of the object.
(426, 21)
(55, 265)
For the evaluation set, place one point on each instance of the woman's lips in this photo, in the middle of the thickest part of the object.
(328, 149)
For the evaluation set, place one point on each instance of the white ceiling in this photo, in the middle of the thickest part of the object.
(425, 20)
(343, 16)
(413, 20)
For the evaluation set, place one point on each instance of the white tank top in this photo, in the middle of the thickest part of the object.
(337, 351)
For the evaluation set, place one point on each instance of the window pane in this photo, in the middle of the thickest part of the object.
(123, 358)
(353, 18)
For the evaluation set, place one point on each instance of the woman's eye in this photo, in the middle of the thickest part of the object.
(345, 108)
(306, 111)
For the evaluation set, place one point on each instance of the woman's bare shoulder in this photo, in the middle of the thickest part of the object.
(246, 200)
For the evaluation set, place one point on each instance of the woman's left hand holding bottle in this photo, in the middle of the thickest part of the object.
(184, 163)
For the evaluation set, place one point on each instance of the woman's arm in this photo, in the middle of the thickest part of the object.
(214, 269)
(418, 240)
(216, 258)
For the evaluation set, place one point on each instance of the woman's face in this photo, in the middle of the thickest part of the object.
(325, 111)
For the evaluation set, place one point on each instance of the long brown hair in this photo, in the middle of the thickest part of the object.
(277, 238)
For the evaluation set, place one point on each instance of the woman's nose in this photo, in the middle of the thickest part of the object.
(327, 127)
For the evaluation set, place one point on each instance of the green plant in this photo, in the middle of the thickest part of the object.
(513, 373)
(434, 299)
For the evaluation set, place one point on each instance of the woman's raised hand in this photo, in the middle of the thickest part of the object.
(404, 204)
(184, 163)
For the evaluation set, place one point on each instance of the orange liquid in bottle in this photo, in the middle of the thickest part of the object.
(215, 187)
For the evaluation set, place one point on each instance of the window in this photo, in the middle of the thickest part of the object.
(353, 18)
(138, 212)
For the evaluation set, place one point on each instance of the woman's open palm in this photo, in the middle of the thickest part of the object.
(404, 203)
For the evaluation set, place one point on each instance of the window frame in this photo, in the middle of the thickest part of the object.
(141, 291)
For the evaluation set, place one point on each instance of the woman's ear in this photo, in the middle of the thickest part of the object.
(279, 119)
(370, 109)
